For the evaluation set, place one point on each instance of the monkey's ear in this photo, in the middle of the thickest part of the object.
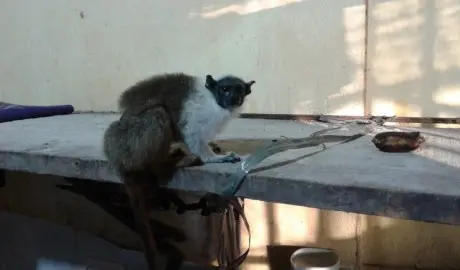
(248, 87)
(210, 82)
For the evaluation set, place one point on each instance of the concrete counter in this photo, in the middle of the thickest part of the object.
(354, 177)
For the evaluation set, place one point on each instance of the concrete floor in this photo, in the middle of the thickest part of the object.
(33, 244)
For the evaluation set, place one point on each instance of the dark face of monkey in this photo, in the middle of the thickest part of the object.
(229, 91)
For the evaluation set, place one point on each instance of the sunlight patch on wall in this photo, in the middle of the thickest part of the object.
(449, 95)
(248, 7)
(259, 228)
(351, 109)
(302, 223)
(395, 107)
(354, 35)
(348, 99)
(380, 222)
(353, 20)
(337, 225)
(448, 35)
(396, 35)
(254, 265)
(447, 115)
(383, 107)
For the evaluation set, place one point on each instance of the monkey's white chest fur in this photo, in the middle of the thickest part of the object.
(202, 120)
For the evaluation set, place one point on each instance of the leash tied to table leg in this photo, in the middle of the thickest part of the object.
(228, 204)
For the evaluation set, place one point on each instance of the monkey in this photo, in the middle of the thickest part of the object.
(199, 109)
(161, 110)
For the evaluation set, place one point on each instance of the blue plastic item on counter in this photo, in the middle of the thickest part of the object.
(11, 112)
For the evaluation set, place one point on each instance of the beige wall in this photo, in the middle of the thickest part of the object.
(308, 56)
(361, 240)
(413, 57)
(52, 54)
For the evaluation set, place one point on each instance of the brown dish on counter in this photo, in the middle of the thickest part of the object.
(398, 141)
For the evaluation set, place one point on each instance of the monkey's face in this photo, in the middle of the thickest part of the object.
(229, 92)
(232, 94)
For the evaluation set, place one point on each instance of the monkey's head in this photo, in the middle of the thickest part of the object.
(229, 91)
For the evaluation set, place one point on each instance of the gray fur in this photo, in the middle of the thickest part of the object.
(188, 107)
(170, 90)
(140, 139)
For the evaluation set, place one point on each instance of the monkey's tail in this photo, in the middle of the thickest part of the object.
(139, 190)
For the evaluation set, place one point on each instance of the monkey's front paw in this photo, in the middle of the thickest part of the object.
(189, 161)
(230, 157)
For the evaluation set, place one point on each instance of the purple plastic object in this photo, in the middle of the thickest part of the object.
(11, 112)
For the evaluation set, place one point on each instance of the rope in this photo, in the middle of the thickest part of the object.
(234, 210)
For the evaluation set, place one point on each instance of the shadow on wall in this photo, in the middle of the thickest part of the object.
(37, 244)
(414, 58)
(44, 227)
(306, 56)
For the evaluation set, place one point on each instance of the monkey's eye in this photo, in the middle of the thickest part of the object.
(239, 88)
(226, 90)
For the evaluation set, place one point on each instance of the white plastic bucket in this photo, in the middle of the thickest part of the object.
(315, 259)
